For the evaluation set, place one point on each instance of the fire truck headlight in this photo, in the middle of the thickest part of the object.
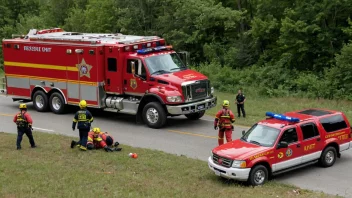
(212, 90)
(239, 164)
(174, 99)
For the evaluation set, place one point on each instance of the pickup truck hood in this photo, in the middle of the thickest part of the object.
(239, 150)
(180, 76)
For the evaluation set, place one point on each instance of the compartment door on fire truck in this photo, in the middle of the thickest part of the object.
(135, 80)
(113, 76)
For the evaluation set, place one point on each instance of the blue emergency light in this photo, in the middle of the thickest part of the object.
(281, 117)
(148, 50)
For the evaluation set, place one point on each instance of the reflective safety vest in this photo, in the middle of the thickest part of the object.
(225, 118)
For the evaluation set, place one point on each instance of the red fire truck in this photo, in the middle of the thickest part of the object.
(137, 75)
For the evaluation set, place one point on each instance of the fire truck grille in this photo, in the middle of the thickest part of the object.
(198, 90)
(222, 161)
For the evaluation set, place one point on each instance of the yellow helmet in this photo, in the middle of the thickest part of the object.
(96, 130)
(23, 106)
(226, 103)
(83, 104)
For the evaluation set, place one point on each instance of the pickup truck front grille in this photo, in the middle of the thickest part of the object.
(222, 161)
(196, 90)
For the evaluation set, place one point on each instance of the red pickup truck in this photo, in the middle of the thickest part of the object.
(281, 143)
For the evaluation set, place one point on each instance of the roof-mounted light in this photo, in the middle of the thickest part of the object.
(281, 117)
(148, 50)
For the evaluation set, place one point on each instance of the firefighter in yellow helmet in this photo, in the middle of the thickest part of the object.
(24, 126)
(104, 140)
(83, 118)
(223, 120)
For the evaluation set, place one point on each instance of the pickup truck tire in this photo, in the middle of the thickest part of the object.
(57, 103)
(328, 157)
(258, 175)
(195, 116)
(154, 115)
(40, 101)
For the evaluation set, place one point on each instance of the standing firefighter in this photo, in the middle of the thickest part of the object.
(84, 119)
(24, 126)
(223, 120)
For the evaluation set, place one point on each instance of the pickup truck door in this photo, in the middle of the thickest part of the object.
(291, 156)
(311, 143)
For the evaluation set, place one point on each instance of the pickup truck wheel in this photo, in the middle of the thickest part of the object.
(195, 116)
(154, 115)
(57, 103)
(258, 175)
(328, 157)
(40, 101)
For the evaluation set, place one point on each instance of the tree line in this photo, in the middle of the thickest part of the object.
(277, 48)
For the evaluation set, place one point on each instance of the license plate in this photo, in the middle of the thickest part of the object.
(200, 107)
(217, 173)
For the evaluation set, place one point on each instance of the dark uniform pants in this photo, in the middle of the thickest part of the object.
(21, 132)
(83, 137)
(241, 107)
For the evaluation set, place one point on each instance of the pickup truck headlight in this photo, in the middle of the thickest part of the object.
(239, 164)
(212, 90)
(174, 98)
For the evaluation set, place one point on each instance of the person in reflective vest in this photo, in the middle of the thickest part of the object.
(223, 121)
(24, 126)
(83, 118)
(104, 140)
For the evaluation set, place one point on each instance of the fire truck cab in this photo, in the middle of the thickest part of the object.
(137, 75)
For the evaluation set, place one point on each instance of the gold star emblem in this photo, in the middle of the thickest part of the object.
(84, 68)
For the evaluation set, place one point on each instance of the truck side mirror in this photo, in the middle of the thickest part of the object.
(282, 144)
(184, 57)
(243, 132)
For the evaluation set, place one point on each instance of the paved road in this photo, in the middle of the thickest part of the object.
(182, 137)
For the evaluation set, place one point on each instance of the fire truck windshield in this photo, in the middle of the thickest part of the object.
(165, 63)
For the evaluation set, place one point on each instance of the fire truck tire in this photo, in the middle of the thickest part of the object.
(154, 115)
(57, 103)
(40, 101)
(195, 116)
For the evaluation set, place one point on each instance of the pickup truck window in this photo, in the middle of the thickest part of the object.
(289, 136)
(309, 130)
(333, 123)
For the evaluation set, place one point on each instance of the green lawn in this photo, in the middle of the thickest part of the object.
(53, 169)
(256, 106)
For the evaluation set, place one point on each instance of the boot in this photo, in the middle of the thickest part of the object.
(73, 143)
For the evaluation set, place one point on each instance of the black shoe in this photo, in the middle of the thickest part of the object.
(73, 143)
(18, 148)
(118, 149)
(34, 146)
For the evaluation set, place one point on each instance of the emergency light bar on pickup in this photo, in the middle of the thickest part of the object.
(281, 117)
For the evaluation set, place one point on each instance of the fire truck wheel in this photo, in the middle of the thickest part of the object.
(40, 101)
(154, 115)
(57, 103)
(195, 116)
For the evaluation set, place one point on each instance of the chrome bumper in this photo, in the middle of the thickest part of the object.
(192, 107)
(240, 174)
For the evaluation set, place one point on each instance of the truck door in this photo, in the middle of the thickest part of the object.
(135, 78)
(112, 75)
(311, 143)
(291, 156)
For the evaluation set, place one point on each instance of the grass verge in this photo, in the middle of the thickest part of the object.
(256, 106)
(55, 170)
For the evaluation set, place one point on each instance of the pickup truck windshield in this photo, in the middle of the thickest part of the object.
(261, 135)
(165, 63)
